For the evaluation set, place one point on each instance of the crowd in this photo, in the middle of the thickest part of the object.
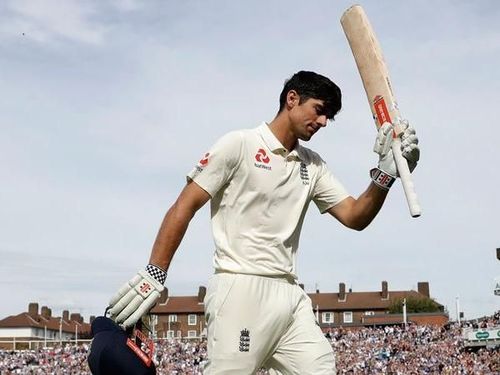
(390, 350)
(414, 350)
(67, 360)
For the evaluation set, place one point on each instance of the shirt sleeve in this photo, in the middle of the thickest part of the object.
(216, 167)
(328, 191)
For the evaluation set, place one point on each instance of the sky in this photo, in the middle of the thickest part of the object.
(106, 105)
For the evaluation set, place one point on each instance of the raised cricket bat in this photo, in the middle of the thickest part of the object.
(378, 87)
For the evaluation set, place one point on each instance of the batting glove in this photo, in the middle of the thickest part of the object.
(409, 148)
(136, 297)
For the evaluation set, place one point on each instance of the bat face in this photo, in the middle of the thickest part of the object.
(371, 65)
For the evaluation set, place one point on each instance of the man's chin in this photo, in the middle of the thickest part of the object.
(305, 137)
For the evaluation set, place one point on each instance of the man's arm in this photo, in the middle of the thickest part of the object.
(175, 224)
(358, 213)
(137, 296)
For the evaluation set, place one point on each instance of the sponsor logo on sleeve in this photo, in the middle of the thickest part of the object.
(204, 159)
(203, 162)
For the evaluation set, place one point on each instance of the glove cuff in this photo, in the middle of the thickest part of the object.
(381, 178)
(156, 273)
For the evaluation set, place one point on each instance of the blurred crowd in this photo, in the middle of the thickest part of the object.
(414, 350)
(390, 350)
(67, 359)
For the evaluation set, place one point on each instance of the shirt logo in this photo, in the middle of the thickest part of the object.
(204, 161)
(262, 159)
(244, 340)
(261, 156)
(304, 174)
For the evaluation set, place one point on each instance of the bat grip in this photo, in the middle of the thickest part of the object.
(406, 180)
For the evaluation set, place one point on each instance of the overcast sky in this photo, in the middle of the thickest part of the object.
(106, 105)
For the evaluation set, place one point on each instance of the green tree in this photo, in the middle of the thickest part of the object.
(414, 305)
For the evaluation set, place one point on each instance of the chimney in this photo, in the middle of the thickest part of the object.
(385, 290)
(423, 288)
(75, 317)
(301, 286)
(33, 309)
(65, 315)
(45, 312)
(201, 293)
(341, 292)
(163, 296)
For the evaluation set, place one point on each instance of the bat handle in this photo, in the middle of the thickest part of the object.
(406, 180)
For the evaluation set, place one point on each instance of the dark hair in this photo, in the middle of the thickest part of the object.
(310, 85)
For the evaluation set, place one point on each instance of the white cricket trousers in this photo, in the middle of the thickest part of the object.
(257, 321)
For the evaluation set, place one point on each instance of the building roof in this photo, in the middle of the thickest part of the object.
(25, 320)
(358, 300)
(178, 305)
(44, 319)
(324, 301)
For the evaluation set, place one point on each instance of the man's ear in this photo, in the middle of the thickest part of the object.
(292, 99)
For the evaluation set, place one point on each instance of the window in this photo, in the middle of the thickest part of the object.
(192, 334)
(170, 334)
(348, 317)
(192, 319)
(327, 317)
(172, 318)
(179, 334)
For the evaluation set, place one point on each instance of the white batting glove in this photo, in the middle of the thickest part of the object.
(136, 297)
(409, 148)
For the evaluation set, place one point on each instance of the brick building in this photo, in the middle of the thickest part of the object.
(35, 325)
(355, 309)
(179, 316)
(184, 316)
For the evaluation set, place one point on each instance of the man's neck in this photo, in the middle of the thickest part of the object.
(280, 127)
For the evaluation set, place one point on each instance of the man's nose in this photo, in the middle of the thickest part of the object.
(322, 120)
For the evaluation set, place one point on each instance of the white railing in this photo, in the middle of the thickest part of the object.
(38, 344)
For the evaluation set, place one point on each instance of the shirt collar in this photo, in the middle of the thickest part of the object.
(275, 145)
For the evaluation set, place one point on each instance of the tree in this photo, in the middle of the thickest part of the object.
(414, 305)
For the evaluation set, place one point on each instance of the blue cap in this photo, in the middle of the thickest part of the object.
(110, 354)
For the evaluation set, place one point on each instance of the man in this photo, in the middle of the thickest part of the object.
(260, 183)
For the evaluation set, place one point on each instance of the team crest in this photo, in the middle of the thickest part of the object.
(304, 174)
(244, 340)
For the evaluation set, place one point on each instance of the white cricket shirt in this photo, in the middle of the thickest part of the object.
(260, 194)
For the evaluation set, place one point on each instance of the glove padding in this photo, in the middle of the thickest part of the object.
(134, 299)
(409, 147)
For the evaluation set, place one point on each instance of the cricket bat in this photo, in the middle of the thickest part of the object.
(375, 76)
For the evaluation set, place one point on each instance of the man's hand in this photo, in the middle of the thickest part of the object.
(136, 297)
(409, 148)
